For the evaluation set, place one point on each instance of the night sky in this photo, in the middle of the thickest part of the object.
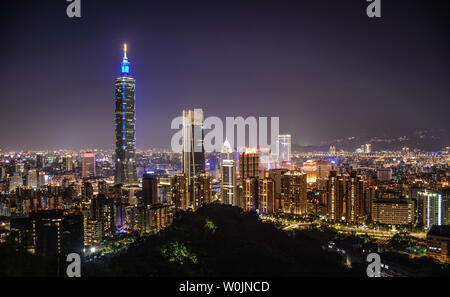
(323, 67)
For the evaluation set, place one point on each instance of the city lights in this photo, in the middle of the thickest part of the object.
(250, 140)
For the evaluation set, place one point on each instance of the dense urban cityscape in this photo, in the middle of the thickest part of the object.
(289, 208)
(54, 203)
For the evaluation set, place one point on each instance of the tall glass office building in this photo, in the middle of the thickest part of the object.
(125, 125)
(284, 148)
(193, 149)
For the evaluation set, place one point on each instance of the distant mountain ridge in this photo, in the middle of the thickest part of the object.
(425, 140)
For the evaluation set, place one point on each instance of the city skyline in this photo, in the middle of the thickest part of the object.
(225, 145)
(383, 80)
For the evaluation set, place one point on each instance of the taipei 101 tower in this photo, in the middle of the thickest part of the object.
(125, 121)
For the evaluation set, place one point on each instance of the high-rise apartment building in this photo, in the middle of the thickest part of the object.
(15, 181)
(68, 165)
(88, 164)
(202, 189)
(354, 198)
(294, 192)
(31, 178)
(248, 177)
(48, 233)
(149, 189)
(335, 197)
(229, 195)
(249, 194)
(248, 164)
(346, 198)
(193, 149)
(179, 190)
(276, 175)
(266, 195)
(310, 168)
(227, 150)
(102, 210)
(435, 207)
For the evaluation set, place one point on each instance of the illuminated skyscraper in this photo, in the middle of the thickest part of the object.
(248, 164)
(179, 191)
(294, 192)
(31, 179)
(125, 125)
(355, 198)
(227, 151)
(310, 168)
(335, 193)
(193, 149)
(15, 181)
(68, 165)
(249, 195)
(248, 176)
(276, 175)
(229, 182)
(202, 189)
(435, 207)
(149, 189)
(284, 149)
(102, 210)
(347, 198)
(266, 195)
(88, 164)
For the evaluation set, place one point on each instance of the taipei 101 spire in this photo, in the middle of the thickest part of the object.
(125, 121)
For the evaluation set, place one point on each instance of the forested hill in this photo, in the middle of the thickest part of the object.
(220, 240)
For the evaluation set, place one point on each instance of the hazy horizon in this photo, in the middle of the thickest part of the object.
(325, 68)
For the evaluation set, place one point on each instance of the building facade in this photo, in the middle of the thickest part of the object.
(125, 120)
(202, 189)
(179, 190)
(228, 191)
(393, 212)
(193, 149)
(149, 189)
(294, 192)
(266, 196)
(284, 149)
